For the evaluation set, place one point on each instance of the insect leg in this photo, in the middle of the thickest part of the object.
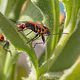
(6, 45)
(35, 37)
(38, 43)
(28, 33)
(43, 39)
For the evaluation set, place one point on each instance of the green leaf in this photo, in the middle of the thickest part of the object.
(14, 9)
(71, 49)
(70, 52)
(9, 7)
(17, 9)
(3, 4)
(32, 12)
(73, 73)
(2, 58)
(70, 7)
(64, 38)
(16, 38)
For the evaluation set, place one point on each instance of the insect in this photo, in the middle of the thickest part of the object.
(39, 29)
(1, 37)
(6, 43)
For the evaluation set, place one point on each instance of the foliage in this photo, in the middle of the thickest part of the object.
(61, 51)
